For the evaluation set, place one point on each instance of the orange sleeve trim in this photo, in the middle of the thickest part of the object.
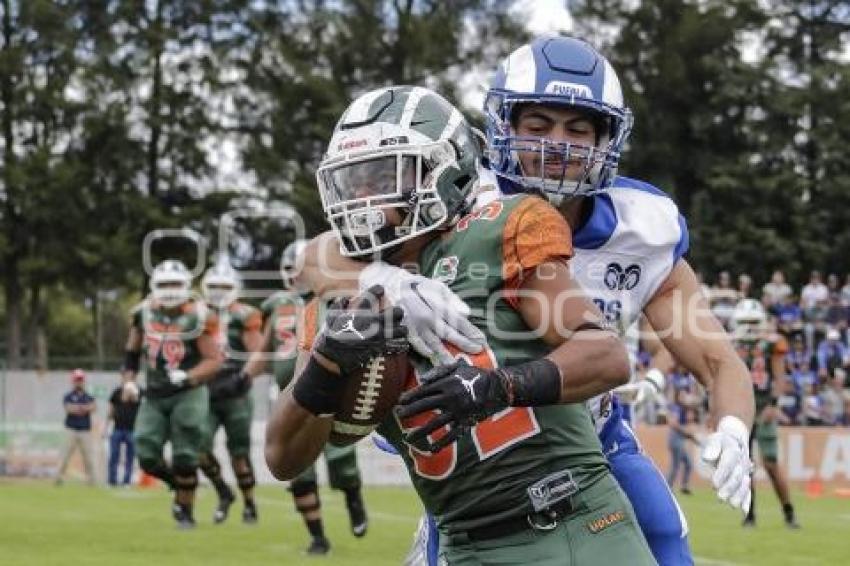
(308, 325)
(535, 233)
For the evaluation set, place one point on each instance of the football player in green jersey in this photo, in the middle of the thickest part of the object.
(231, 404)
(763, 351)
(281, 312)
(179, 339)
(510, 466)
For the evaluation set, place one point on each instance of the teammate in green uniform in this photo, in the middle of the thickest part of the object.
(179, 339)
(231, 404)
(281, 312)
(763, 350)
(510, 466)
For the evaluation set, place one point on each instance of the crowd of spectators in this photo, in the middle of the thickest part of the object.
(814, 323)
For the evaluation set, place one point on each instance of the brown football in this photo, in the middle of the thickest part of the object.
(369, 398)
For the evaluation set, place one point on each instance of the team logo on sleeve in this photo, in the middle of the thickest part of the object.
(446, 269)
(619, 279)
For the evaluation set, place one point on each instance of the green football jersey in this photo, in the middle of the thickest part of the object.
(280, 313)
(235, 320)
(170, 339)
(758, 357)
(487, 475)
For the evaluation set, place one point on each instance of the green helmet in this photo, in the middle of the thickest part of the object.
(402, 162)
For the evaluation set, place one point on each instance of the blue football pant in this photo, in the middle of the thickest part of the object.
(658, 513)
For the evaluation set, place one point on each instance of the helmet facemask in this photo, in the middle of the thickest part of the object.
(170, 284)
(747, 332)
(170, 293)
(221, 285)
(598, 163)
(220, 294)
(375, 200)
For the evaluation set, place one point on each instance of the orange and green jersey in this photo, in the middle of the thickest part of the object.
(235, 320)
(484, 477)
(170, 338)
(759, 356)
(281, 312)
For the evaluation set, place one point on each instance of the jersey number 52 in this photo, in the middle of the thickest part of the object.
(490, 436)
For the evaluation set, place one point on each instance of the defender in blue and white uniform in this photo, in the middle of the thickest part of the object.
(556, 125)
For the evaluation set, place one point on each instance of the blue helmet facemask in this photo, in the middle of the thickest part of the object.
(562, 72)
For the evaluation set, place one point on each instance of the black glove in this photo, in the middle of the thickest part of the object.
(352, 337)
(229, 384)
(465, 395)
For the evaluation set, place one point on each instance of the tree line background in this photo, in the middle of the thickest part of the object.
(112, 111)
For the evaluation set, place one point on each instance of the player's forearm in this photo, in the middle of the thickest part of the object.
(294, 437)
(731, 390)
(326, 270)
(256, 364)
(591, 363)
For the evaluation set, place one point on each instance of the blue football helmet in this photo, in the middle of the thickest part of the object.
(556, 71)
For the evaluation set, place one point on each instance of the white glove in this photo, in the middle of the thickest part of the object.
(727, 452)
(647, 389)
(432, 312)
(177, 377)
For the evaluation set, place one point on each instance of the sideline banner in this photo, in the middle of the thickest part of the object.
(807, 454)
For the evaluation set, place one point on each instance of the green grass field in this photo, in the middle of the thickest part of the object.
(45, 525)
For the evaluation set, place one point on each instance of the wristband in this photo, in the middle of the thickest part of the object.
(131, 360)
(318, 389)
(532, 384)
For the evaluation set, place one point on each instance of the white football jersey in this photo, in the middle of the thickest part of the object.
(623, 252)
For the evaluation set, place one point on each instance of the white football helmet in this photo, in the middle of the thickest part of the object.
(221, 284)
(748, 320)
(291, 264)
(171, 283)
(402, 162)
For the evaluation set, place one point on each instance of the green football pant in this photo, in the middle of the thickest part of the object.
(342, 468)
(767, 438)
(602, 529)
(180, 418)
(235, 416)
